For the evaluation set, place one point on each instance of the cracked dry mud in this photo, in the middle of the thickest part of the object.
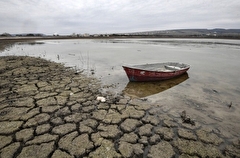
(47, 110)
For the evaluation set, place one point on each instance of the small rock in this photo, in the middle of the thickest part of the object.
(41, 151)
(133, 113)
(103, 106)
(9, 151)
(63, 112)
(145, 130)
(109, 131)
(154, 139)
(57, 121)
(187, 134)
(130, 138)
(61, 154)
(5, 140)
(143, 140)
(76, 145)
(187, 119)
(42, 139)
(99, 115)
(163, 148)
(169, 123)
(190, 147)
(165, 133)
(25, 134)
(152, 119)
(38, 119)
(8, 127)
(128, 150)
(97, 139)
(105, 150)
(232, 151)
(64, 129)
(129, 125)
(47, 102)
(102, 99)
(208, 137)
(42, 129)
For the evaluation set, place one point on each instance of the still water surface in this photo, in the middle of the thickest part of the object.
(211, 84)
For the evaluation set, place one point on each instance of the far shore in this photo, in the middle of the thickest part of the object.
(27, 38)
(5, 41)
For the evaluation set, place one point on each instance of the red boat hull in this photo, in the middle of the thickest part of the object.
(144, 75)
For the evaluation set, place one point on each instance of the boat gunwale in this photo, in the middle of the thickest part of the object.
(162, 71)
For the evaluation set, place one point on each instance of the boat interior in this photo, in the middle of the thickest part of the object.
(166, 67)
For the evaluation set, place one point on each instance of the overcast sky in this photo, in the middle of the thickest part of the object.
(115, 16)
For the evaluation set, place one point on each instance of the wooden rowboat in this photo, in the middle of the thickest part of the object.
(155, 72)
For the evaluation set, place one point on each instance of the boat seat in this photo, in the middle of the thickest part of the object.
(172, 67)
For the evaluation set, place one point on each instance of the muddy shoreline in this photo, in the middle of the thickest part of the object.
(48, 110)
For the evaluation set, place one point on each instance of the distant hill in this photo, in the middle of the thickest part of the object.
(218, 32)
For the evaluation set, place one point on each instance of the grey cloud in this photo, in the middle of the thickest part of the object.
(104, 16)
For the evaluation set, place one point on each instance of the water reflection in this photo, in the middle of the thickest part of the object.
(6, 45)
(144, 89)
(175, 42)
(30, 43)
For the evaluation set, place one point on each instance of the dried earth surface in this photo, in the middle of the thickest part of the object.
(48, 110)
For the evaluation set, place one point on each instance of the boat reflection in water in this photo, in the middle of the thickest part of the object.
(144, 89)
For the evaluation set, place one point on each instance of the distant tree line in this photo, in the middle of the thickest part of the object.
(23, 35)
(6, 34)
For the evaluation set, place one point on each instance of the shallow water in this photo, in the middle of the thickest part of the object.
(212, 83)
